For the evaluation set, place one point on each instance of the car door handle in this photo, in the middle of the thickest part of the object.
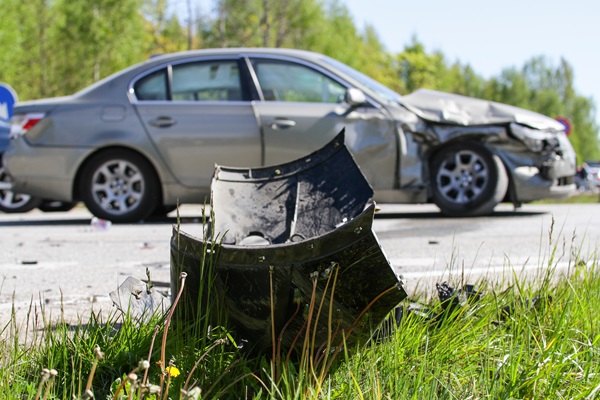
(162, 122)
(282, 123)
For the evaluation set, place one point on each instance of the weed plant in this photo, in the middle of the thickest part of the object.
(530, 338)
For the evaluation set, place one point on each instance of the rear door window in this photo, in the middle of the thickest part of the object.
(152, 87)
(207, 81)
(193, 81)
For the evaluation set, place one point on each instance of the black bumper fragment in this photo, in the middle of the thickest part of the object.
(292, 235)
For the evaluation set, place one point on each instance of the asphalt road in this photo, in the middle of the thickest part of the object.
(59, 262)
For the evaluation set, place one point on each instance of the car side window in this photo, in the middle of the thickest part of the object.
(152, 87)
(206, 81)
(195, 81)
(285, 81)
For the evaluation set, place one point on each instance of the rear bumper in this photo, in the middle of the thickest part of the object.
(41, 171)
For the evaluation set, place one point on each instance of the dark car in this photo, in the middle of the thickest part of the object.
(148, 137)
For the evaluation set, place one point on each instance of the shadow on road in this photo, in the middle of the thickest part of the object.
(433, 215)
(46, 222)
(87, 221)
(439, 215)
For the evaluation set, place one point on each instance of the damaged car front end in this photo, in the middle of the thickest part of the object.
(481, 153)
(547, 164)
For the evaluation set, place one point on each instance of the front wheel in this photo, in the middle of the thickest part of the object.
(120, 186)
(467, 180)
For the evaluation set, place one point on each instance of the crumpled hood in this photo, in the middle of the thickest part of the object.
(450, 108)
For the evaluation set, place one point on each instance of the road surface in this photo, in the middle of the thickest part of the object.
(59, 262)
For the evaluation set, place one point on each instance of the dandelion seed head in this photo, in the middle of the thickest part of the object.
(99, 354)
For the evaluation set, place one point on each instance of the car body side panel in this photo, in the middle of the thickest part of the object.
(372, 138)
(43, 171)
(82, 124)
(69, 135)
(370, 135)
(202, 134)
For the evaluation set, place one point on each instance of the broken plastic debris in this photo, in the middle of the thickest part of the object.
(280, 227)
(139, 299)
(100, 224)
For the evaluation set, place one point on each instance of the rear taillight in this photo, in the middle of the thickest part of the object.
(21, 123)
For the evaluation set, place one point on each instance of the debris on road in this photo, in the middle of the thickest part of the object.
(139, 299)
(98, 224)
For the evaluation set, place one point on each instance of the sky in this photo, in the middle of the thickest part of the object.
(492, 36)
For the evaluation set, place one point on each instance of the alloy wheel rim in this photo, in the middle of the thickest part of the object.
(463, 177)
(118, 186)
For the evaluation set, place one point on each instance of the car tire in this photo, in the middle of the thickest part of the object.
(163, 210)
(56, 206)
(119, 186)
(467, 180)
(11, 202)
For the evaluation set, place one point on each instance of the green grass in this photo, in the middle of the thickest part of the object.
(579, 198)
(503, 346)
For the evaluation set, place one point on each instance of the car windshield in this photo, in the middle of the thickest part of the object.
(366, 81)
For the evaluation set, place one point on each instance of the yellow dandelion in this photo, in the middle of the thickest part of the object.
(173, 371)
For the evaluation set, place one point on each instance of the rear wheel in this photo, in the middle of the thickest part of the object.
(120, 186)
(11, 202)
(468, 180)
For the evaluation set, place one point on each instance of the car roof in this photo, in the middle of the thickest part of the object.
(237, 50)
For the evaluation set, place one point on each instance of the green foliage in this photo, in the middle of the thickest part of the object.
(163, 30)
(86, 36)
(548, 89)
(504, 346)
(417, 69)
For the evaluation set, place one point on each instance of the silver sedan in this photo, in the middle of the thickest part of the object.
(147, 138)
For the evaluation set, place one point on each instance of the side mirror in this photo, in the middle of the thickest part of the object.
(355, 97)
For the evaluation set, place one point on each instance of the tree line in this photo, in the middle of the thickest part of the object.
(56, 47)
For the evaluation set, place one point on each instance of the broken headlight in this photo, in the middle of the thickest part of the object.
(534, 139)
